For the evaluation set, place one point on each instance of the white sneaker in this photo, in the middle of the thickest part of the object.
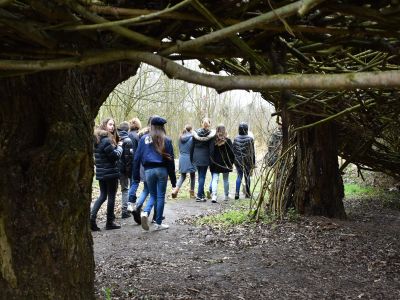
(226, 198)
(160, 227)
(214, 199)
(145, 222)
(131, 207)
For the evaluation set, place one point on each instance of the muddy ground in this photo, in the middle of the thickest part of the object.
(309, 258)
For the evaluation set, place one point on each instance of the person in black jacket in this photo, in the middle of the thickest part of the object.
(222, 159)
(125, 166)
(107, 154)
(245, 158)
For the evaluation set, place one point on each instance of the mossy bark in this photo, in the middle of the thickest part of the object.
(46, 172)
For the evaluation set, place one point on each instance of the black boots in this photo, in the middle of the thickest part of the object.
(111, 225)
(93, 225)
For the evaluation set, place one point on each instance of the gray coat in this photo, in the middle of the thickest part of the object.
(185, 145)
(200, 153)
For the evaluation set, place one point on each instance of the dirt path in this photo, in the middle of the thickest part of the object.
(313, 258)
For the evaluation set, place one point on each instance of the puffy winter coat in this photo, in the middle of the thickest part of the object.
(134, 136)
(106, 157)
(125, 162)
(185, 145)
(243, 147)
(222, 157)
(200, 151)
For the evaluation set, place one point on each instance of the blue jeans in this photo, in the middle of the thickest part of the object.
(240, 174)
(132, 191)
(214, 183)
(143, 196)
(156, 180)
(202, 172)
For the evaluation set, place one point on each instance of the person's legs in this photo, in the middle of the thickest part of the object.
(143, 196)
(112, 186)
(124, 182)
(192, 184)
(151, 180)
(247, 180)
(97, 204)
(202, 171)
(132, 191)
(181, 180)
(214, 185)
(178, 185)
(225, 177)
(162, 176)
(238, 182)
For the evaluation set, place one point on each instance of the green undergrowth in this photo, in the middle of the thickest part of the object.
(240, 213)
(354, 190)
(389, 199)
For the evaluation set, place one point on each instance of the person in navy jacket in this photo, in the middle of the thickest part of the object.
(156, 154)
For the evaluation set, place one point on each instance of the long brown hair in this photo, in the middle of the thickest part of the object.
(220, 135)
(112, 135)
(158, 136)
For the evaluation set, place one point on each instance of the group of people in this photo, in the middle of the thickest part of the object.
(132, 154)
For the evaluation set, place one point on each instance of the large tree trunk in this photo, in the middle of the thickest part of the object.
(46, 167)
(318, 183)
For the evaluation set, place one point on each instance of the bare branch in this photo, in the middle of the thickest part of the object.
(347, 81)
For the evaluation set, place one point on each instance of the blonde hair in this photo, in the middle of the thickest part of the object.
(135, 124)
(206, 123)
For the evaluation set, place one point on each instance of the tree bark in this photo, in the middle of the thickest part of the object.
(318, 183)
(46, 167)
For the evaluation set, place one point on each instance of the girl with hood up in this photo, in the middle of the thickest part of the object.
(245, 158)
(200, 154)
(107, 153)
(222, 159)
(185, 165)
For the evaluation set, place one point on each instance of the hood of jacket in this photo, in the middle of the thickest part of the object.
(186, 137)
(122, 134)
(243, 128)
(203, 134)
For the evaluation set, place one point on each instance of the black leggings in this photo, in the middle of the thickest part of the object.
(108, 188)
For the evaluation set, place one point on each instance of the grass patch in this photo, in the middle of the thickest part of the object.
(352, 190)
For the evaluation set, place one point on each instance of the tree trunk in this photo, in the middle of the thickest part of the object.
(318, 183)
(46, 167)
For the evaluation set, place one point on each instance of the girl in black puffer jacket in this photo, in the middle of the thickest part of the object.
(222, 158)
(107, 154)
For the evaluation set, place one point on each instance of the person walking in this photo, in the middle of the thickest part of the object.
(125, 166)
(185, 165)
(134, 126)
(222, 159)
(156, 153)
(107, 154)
(200, 155)
(243, 147)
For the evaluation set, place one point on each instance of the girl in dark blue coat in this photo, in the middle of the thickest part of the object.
(156, 154)
(185, 165)
(107, 154)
